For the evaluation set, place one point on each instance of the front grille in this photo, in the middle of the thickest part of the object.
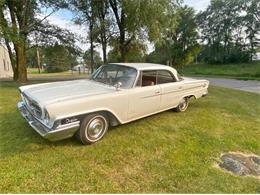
(33, 106)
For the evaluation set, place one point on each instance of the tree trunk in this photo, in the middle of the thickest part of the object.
(225, 50)
(38, 59)
(252, 48)
(123, 53)
(122, 45)
(102, 13)
(21, 64)
(91, 48)
(121, 25)
(11, 56)
(104, 50)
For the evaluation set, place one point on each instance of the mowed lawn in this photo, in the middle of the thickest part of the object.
(245, 71)
(166, 153)
(33, 73)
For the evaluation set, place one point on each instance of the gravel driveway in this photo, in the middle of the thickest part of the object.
(250, 85)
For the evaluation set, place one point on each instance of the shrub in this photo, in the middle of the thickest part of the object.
(52, 69)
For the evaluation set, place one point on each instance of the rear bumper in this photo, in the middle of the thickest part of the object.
(59, 133)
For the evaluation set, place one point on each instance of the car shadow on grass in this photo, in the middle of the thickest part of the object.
(19, 137)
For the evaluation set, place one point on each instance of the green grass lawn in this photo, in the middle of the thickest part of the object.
(247, 71)
(33, 73)
(165, 153)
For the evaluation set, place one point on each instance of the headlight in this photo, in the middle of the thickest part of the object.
(46, 117)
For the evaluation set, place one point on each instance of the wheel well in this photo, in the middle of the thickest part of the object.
(113, 121)
(191, 96)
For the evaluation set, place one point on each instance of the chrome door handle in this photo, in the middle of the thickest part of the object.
(157, 92)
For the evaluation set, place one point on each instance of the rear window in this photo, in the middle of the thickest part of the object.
(164, 76)
(154, 77)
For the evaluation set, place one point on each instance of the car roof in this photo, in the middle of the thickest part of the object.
(148, 66)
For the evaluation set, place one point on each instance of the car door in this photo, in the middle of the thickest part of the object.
(144, 99)
(171, 89)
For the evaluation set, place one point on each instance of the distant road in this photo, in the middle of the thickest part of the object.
(250, 85)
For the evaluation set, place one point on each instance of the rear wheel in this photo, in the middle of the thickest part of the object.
(93, 128)
(183, 105)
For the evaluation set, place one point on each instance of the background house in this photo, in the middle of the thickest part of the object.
(256, 56)
(80, 67)
(5, 63)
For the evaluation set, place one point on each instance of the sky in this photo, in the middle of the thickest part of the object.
(63, 19)
(198, 5)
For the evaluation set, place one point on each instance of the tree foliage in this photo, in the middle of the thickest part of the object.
(180, 41)
(229, 30)
(136, 52)
(136, 20)
(58, 58)
(97, 61)
(18, 20)
(54, 58)
(87, 13)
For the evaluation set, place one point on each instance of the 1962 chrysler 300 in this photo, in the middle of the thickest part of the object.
(114, 94)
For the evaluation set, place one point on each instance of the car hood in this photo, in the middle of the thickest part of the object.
(47, 93)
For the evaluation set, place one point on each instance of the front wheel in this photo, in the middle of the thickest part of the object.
(183, 105)
(93, 128)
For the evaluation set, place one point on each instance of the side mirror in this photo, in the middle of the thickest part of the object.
(118, 86)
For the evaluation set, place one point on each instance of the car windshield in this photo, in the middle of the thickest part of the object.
(112, 74)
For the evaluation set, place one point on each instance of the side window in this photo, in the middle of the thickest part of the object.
(149, 78)
(164, 76)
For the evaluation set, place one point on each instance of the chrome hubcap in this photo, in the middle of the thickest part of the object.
(183, 104)
(95, 128)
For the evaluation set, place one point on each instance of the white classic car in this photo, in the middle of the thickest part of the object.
(115, 94)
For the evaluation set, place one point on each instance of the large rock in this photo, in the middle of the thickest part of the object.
(241, 164)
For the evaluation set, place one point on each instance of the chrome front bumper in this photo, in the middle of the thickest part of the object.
(59, 133)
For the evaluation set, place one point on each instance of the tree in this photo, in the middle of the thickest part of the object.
(97, 61)
(226, 27)
(87, 13)
(139, 19)
(18, 19)
(59, 57)
(252, 23)
(217, 24)
(180, 41)
(103, 26)
(184, 39)
(136, 52)
(31, 58)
